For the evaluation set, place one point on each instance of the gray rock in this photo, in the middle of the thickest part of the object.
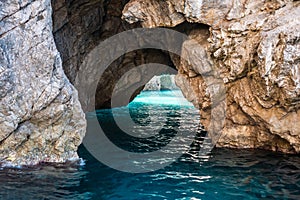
(41, 119)
(162, 82)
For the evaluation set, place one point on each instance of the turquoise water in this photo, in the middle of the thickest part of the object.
(223, 174)
(165, 97)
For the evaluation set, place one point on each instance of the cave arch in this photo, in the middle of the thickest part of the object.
(101, 57)
(134, 81)
(80, 25)
(78, 49)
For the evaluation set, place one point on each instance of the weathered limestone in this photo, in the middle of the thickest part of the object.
(77, 29)
(81, 25)
(162, 82)
(135, 12)
(40, 116)
(254, 48)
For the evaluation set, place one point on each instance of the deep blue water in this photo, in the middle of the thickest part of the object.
(223, 174)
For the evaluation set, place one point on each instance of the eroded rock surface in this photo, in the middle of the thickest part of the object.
(40, 116)
(162, 82)
(79, 27)
(254, 48)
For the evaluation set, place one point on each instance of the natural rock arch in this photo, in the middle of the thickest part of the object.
(254, 44)
(262, 98)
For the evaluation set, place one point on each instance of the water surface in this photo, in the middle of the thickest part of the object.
(223, 174)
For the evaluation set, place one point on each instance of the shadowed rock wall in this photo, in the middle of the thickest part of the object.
(80, 25)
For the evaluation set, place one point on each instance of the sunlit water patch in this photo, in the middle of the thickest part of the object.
(164, 97)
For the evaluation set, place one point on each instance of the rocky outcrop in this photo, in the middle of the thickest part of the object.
(251, 46)
(40, 116)
(254, 46)
(162, 82)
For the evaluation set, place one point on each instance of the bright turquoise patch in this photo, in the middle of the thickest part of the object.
(168, 97)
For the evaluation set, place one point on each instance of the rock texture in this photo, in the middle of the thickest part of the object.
(40, 116)
(77, 28)
(251, 46)
(254, 46)
(80, 25)
(162, 82)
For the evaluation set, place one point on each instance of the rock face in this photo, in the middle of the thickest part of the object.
(254, 46)
(162, 82)
(80, 25)
(40, 116)
(77, 29)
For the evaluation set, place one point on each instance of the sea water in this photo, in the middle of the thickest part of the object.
(222, 174)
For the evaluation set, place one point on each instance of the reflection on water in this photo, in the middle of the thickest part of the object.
(159, 123)
(164, 97)
(224, 174)
(43, 182)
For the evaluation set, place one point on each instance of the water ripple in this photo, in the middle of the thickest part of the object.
(223, 174)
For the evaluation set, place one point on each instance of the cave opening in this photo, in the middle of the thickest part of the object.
(80, 25)
(157, 119)
(161, 90)
(123, 88)
(151, 145)
(127, 76)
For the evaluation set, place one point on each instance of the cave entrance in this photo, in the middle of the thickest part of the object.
(79, 27)
(128, 75)
(159, 124)
(165, 129)
(161, 90)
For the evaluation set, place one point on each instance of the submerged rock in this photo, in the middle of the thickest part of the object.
(41, 119)
(253, 46)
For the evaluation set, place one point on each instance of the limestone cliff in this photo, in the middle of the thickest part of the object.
(255, 47)
(40, 116)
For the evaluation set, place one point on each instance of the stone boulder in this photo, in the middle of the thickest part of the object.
(41, 119)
